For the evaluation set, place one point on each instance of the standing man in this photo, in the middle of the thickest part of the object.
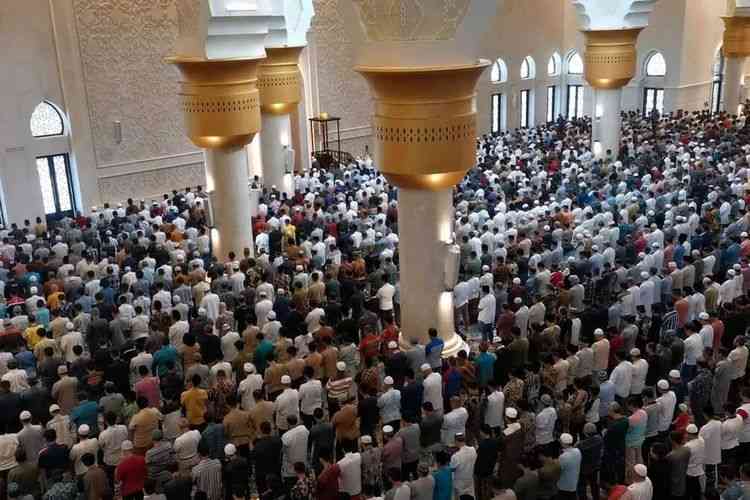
(462, 463)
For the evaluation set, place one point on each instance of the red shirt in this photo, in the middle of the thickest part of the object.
(148, 387)
(131, 472)
(328, 483)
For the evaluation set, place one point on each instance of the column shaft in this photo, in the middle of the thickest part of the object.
(275, 134)
(226, 174)
(425, 224)
(608, 104)
(733, 80)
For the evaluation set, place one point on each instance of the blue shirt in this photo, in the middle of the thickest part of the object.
(443, 489)
(433, 350)
(486, 366)
(42, 317)
(570, 468)
(606, 396)
(162, 357)
(85, 413)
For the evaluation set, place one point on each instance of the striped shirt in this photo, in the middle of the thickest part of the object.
(207, 477)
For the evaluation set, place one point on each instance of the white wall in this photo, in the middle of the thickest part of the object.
(29, 76)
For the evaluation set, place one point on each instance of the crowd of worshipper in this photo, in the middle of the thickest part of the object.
(603, 302)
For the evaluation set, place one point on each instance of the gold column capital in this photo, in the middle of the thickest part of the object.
(425, 123)
(610, 58)
(736, 36)
(219, 100)
(280, 80)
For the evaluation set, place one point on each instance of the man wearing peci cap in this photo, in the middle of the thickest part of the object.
(389, 404)
(463, 462)
(570, 468)
(641, 488)
(286, 404)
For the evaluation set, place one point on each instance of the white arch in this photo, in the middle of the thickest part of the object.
(528, 68)
(554, 65)
(574, 63)
(47, 120)
(499, 71)
(656, 65)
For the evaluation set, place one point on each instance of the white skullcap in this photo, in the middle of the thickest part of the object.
(83, 430)
(511, 413)
(674, 374)
(341, 366)
(201, 311)
(704, 316)
(425, 367)
(644, 275)
(392, 344)
(366, 439)
(299, 268)
(53, 408)
(731, 272)
(566, 439)
(518, 300)
(69, 325)
(25, 415)
(485, 268)
(387, 429)
(598, 332)
(635, 352)
(33, 289)
(662, 384)
(286, 379)
(516, 281)
(641, 470)
(692, 429)
(271, 316)
(388, 381)
(249, 368)
(230, 450)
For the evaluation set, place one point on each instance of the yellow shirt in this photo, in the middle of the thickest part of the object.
(194, 400)
(32, 337)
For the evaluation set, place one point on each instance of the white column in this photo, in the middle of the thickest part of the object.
(607, 107)
(275, 134)
(425, 225)
(732, 85)
(227, 181)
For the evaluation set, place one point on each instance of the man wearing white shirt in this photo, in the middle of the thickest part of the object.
(622, 377)
(693, 351)
(706, 331)
(433, 388)
(711, 435)
(667, 401)
(178, 330)
(641, 488)
(487, 314)
(350, 481)
(639, 372)
(286, 404)
(293, 446)
(462, 463)
(493, 416)
(695, 470)
(454, 422)
(252, 382)
(310, 396)
(545, 422)
(262, 308)
(211, 303)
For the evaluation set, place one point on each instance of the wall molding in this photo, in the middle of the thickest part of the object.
(118, 169)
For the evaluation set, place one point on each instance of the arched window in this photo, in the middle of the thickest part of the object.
(553, 65)
(575, 64)
(656, 65)
(528, 68)
(499, 72)
(46, 121)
